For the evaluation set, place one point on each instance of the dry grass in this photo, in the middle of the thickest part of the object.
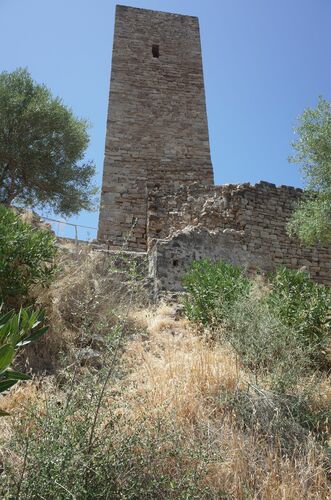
(177, 370)
(18, 402)
(86, 299)
(169, 395)
(177, 379)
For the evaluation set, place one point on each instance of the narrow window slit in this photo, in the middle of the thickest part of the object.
(155, 50)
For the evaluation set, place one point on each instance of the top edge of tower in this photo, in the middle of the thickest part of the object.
(123, 8)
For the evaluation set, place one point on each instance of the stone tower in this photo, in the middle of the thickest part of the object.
(157, 132)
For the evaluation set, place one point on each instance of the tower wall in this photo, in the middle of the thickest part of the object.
(157, 132)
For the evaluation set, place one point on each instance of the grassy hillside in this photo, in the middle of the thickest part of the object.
(133, 400)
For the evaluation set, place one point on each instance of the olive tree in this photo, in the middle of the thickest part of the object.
(42, 148)
(311, 221)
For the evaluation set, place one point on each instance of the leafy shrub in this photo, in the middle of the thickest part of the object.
(279, 357)
(279, 333)
(26, 255)
(303, 306)
(16, 331)
(124, 462)
(212, 288)
(264, 344)
(282, 331)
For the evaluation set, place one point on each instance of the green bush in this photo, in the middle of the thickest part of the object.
(212, 288)
(286, 329)
(264, 344)
(279, 332)
(145, 462)
(26, 257)
(303, 306)
(16, 331)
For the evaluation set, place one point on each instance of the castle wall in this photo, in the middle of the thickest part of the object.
(157, 131)
(242, 224)
(157, 190)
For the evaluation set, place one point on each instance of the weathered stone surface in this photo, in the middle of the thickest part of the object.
(171, 258)
(158, 193)
(242, 224)
(157, 131)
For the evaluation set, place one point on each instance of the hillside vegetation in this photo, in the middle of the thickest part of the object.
(222, 393)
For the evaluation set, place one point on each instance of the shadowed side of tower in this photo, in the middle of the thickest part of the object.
(157, 132)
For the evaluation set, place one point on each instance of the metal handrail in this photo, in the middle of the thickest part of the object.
(68, 223)
(76, 226)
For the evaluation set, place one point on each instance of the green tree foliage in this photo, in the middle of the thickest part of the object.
(42, 146)
(16, 331)
(311, 221)
(26, 257)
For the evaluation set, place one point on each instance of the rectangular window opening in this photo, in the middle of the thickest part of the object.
(155, 50)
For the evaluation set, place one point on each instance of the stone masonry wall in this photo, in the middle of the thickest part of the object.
(157, 132)
(243, 224)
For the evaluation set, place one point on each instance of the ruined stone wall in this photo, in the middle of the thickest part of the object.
(197, 204)
(243, 224)
(157, 188)
(157, 131)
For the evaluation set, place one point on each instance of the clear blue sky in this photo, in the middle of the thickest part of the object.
(264, 62)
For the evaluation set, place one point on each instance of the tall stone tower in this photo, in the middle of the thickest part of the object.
(157, 132)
